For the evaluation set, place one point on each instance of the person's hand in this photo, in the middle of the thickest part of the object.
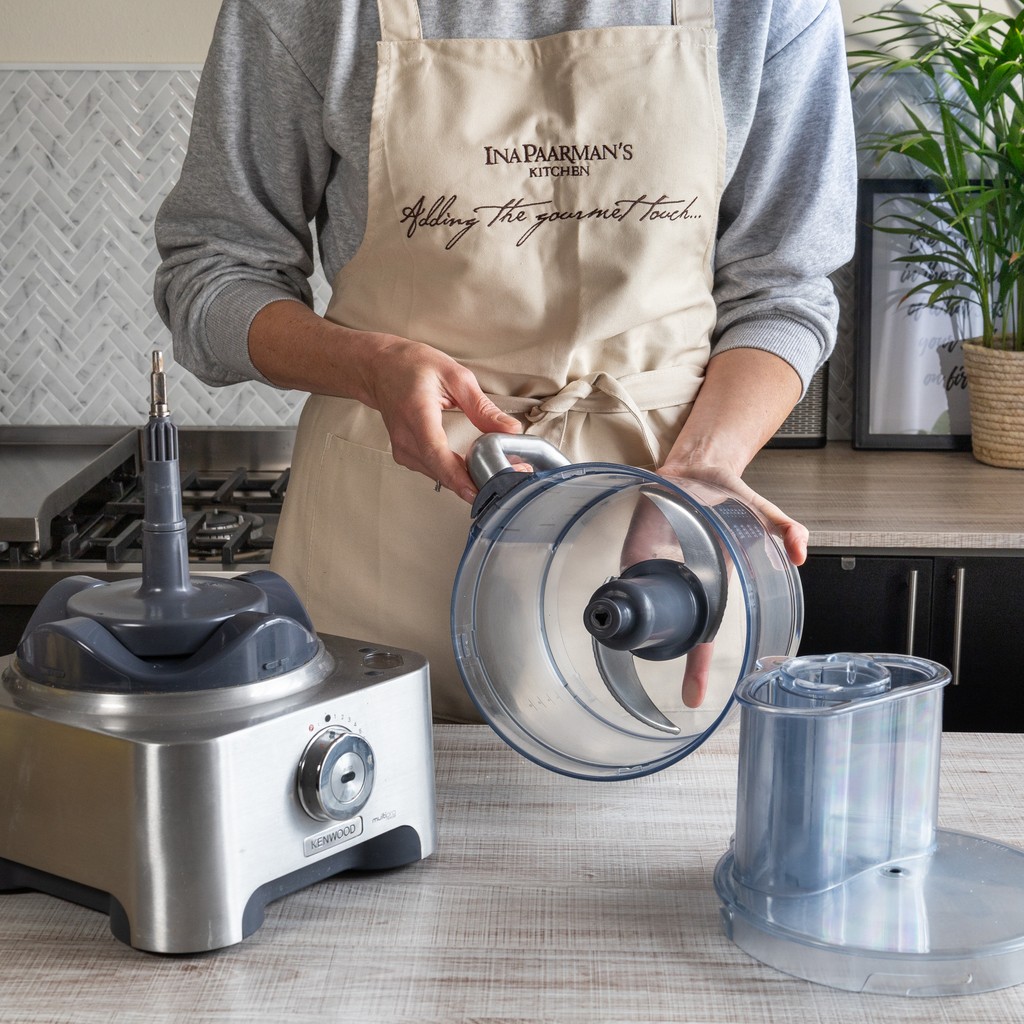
(650, 536)
(794, 538)
(408, 382)
(793, 535)
(410, 385)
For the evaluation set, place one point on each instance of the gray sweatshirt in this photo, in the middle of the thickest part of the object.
(279, 144)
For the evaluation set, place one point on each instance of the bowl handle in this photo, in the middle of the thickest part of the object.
(489, 455)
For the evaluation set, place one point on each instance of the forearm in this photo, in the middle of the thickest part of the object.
(745, 397)
(410, 384)
(297, 349)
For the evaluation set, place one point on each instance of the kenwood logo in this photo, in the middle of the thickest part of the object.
(335, 836)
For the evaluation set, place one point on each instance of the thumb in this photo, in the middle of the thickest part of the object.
(484, 414)
(795, 536)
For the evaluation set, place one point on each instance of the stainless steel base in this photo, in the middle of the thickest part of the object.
(180, 814)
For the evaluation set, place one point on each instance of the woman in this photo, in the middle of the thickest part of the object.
(536, 215)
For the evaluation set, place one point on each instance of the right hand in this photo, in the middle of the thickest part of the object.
(410, 384)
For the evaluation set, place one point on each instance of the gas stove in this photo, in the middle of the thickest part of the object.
(231, 519)
(74, 505)
(80, 494)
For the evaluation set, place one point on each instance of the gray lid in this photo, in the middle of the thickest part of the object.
(166, 630)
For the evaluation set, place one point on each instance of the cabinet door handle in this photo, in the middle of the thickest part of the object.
(959, 577)
(911, 609)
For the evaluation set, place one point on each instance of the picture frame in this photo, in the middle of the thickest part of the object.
(910, 386)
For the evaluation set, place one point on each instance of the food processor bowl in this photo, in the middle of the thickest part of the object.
(587, 593)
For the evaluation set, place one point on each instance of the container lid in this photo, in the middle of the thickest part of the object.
(602, 615)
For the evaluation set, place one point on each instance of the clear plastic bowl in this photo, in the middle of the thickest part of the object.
(529, 574)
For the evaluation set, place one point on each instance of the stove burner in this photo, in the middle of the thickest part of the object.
(220, 523)
(231, 518)
(227, 532)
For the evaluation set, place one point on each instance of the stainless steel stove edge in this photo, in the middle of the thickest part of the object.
(182, 818)
(258, 448)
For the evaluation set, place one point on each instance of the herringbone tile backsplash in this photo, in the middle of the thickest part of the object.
(87, 156)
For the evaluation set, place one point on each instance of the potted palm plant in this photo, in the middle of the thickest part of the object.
(969, 229)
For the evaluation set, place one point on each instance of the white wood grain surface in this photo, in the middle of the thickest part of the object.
(892, 499)
(548, 900)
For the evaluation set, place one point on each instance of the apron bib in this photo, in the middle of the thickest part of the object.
(544, 211)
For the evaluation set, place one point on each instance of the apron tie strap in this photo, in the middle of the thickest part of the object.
(577, 390)
(599, 392)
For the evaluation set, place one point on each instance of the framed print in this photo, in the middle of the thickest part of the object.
(911, 389)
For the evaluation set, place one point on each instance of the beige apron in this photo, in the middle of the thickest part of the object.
(544, 211)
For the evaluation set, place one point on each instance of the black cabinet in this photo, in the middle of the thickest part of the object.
(863, 604)
(978, 631)
(966, 612)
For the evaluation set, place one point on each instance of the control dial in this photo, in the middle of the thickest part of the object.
(335, 775)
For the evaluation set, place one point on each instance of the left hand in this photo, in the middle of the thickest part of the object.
(747, 393)
(793, 535)
(650, 537)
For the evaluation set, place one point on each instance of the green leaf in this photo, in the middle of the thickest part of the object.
(967, 137)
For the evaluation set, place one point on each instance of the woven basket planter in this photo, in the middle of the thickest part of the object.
(995, 387)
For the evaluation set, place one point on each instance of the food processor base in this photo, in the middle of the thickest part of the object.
(394, 849)
(182, 815)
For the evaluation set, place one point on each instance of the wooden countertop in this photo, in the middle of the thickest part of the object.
(547, 900)
(894, 499)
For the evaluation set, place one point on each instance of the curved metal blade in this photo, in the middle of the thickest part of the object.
(618, 673)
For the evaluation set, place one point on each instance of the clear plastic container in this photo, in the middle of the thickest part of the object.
(588, 593)
(837, 872)
(567, 604)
